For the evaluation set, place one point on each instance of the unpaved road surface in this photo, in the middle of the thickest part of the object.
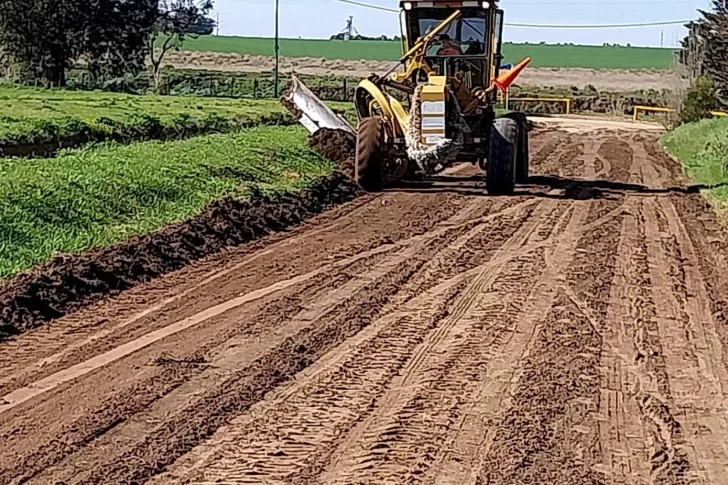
(572, 334)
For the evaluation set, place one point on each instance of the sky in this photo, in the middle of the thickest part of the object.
(322, 18)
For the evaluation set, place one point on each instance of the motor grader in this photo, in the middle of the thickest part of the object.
(436, 105)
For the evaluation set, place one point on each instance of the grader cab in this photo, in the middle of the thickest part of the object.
(436, 105)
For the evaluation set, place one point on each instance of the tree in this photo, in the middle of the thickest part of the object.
(44, 38)
(705, 49)
(120, 47)
(176, 20)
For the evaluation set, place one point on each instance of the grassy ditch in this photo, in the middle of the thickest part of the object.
(702, 149)
(99, 196)
(38, 121)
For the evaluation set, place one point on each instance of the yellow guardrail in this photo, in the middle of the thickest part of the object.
(658, 109)
(566, 101)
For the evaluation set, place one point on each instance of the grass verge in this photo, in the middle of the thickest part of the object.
(702, 148)
(100, 196)
(39, 121)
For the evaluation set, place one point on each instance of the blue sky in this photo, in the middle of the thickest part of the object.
(321, 18)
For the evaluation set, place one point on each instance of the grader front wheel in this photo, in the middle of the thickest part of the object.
(502, 157)
(523, 155)
(370, 151)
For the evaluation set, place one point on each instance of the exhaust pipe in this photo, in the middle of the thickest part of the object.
(310, 111)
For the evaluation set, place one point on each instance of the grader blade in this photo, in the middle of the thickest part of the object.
(310, 111)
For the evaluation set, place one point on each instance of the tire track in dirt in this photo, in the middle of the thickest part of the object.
(420, 242)
(146, 384)
(412, 314)
(549, 424)
(362, 221)
(695, 405)
(401, 436)
(628, 353)
(561, 158)
(692, 420)
(461, 456)
(414, 338)
(236, 390)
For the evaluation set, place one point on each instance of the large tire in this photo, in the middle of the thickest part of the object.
(523, 156)
(370, 146)
(502, 154)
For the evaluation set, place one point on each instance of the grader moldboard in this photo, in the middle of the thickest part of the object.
(449, 77)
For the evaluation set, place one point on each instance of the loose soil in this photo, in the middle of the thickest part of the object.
(338, 146)
(606, 79)
(69, 282)
(573, 333)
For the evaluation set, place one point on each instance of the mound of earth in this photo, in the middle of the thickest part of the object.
(339, 146)
(67, 283)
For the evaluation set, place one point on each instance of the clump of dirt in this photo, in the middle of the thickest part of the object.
(339, 146)
(67, 283)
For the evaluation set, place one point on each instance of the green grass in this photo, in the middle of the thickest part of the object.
(24, 102)
(594, 57)
(95, 197)
(702, 148)
(30, 116)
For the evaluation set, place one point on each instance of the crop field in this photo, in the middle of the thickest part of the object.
(552, 56)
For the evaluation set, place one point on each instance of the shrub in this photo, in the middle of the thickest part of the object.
(700, 99)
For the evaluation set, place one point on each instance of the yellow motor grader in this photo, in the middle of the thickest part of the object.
(436, 105)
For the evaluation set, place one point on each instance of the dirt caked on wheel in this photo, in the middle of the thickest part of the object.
(502, 155)
(371, 144)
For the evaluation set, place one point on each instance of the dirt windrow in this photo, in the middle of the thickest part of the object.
(338, 146)
(67, 283)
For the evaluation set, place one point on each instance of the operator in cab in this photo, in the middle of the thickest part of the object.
(449, 48)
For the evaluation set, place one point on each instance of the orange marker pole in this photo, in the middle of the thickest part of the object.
(504, 81)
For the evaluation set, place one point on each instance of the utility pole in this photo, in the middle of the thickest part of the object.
(277, 49)
(217, 25)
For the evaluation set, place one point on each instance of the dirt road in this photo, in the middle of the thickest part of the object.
(572, 334)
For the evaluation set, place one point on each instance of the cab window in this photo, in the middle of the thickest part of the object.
(468, 33)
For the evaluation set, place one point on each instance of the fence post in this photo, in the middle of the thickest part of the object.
(346, 91)
(255, 88)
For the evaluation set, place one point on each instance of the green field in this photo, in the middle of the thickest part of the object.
(83, 199)
(22, 102)
(594, 57)
(703, 150)
(30, 116)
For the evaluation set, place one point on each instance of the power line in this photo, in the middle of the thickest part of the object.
(601, 26)
(543, 26)
(368, 5)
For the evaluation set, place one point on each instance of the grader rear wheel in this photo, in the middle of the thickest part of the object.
(370, 151)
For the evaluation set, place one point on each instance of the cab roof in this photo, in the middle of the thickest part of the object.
(407, 4)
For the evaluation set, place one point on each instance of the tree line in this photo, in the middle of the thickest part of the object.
(704, 61)
(40, 40)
